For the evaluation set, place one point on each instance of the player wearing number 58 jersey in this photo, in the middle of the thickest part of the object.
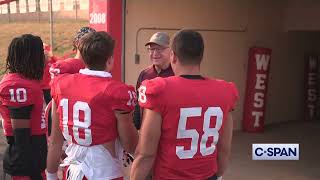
(187, 126)
(93, 113)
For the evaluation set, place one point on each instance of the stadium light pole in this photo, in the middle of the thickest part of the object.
(51, 24)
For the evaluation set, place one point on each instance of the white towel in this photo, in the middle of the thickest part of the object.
(93, 162)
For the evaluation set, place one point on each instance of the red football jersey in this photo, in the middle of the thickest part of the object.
(193, 114)
(45, 83)
(69, 66)
(86, 102)
(17, 91)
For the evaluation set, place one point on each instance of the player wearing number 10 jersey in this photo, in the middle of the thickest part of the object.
(186, 132)
(94, 113)
(21, 108)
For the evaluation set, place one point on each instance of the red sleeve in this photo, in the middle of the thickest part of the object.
(234, 94)
(45, 82)
(54, 88)
(67, 66)
(52, 60)
(124, 98)
(150, 94)
(54, 69)
(75, 66)
(18, 95)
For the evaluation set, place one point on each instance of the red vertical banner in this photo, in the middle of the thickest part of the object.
(98, 14)
(311, 87)
(106, 15)
(256, 89)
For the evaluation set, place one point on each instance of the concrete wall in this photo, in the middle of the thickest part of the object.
(226, 53)
(302, 15)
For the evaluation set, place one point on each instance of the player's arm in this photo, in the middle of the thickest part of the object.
(224, 145)
(127, 132)
(147, 146)
(55, 145)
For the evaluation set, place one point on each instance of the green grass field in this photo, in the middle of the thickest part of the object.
(63, 35)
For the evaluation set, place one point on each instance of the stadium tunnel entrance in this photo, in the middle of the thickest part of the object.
(230, 29)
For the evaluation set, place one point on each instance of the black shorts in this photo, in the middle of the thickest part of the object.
(47, 95)
(14, 162)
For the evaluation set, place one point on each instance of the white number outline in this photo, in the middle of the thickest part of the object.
(97, 18)
(15, 96)
(133, 97)
(77, 124)
(183, 133)
(142, 94)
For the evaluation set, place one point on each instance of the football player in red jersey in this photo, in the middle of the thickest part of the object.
(94, 114)
(71, 65)
(45, 82)
(21, 108)
(187, 127)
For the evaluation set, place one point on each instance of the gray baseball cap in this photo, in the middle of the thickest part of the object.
(160, 38)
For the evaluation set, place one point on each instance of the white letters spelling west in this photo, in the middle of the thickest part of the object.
(262, 62)
(257, 118)
(258, 100)
(260, 81)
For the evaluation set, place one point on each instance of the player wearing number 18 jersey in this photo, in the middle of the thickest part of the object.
(186, 132)
(67, 66)
(93, 113)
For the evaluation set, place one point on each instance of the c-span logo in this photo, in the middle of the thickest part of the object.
(275, 151)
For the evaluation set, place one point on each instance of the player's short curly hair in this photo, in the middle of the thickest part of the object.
(81, 32)
(188, 46)
(26, 56)
(96, 48)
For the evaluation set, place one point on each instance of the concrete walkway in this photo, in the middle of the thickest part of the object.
(307, 168)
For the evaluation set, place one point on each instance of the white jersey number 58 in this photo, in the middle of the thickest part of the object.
(192, 134)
